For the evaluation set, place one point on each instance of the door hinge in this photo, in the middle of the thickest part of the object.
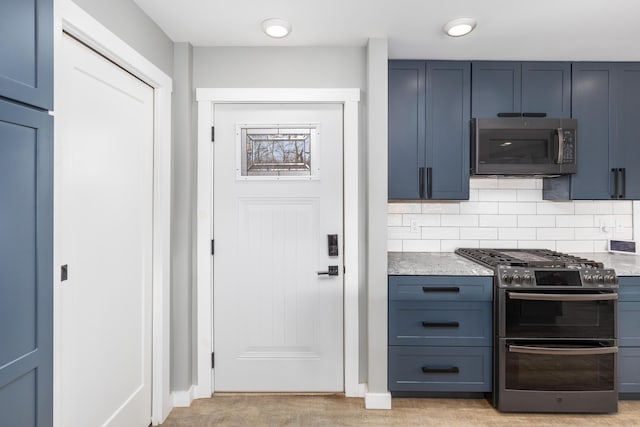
(344, 269)
(213, 133)
(64, 273)
(213, 248)
(213, 360)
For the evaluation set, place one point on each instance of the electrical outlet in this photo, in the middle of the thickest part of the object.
(606, 226)
(414, 226)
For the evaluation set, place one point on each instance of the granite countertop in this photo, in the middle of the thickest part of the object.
(433, 264)
(451, 264)
(623, 264)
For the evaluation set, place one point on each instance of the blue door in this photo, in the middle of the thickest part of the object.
(26, 257)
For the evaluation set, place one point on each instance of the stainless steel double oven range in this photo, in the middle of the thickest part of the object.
(555, 331)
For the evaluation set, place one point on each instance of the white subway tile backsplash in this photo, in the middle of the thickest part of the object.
(404, 208)
(431, 233)
(574, 221)
(575, 246)
(536, 221)
(554, 208)
(479, 233)
(394, 245)
(421, 220)
(497, 195)
(402, 233)
(440, 208)
(528, 195)
(504, 244)
(452, 245)
(497, 220)
(513, 208)
(459, 221)
(394, 220)
(518, 183)
(422, 246)
(555, 234)
(517, 233)
(478, 207)
(508, 213)
(537, 244)
(486, 182)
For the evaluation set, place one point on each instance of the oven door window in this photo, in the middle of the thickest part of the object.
(540, 366)
(559, 315)
(522, 146)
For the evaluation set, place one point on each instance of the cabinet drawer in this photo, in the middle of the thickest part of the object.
(440, 288)
(628, 371)
(629, 324)
(440, 323)
(629, 288)
(440, 369)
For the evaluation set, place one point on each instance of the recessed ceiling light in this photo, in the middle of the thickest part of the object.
(276, 28)
(459, 27)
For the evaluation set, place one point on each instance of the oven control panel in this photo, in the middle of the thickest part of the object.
(522, 277)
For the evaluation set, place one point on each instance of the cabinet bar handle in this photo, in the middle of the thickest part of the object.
(623, 180)
(421, 182)
(441, 289)
(615, 183)
(429, 182)
(534, 114)
(449, 370)
(509, 114)
(440, 324)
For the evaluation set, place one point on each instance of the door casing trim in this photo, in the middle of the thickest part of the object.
(207, 98)
(72, 19)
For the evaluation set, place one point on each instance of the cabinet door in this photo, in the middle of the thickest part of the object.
(592, 101)
(496, 88)
(448, 114)
(406, 128)
(626, 150)
(26, 257)
(26, 49)
(546, 88)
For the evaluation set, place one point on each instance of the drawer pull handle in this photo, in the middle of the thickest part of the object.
(441, 324)
(450, 370)
(441, 289)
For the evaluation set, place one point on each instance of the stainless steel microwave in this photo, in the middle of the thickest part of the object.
(523, 146)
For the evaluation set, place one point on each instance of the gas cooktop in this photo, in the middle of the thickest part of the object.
(526, 258)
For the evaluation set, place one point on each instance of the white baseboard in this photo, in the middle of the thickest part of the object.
(183, 399)
(377, 400)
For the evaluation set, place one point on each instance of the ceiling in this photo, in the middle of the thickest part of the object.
(507, 29)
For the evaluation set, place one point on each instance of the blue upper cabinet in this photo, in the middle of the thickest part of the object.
(606, 103)
(429, 130)
(26, 49)
(529, 88)
(496, 88)
(406, 129)
(592, 99)
(626, 151)
(448, 115)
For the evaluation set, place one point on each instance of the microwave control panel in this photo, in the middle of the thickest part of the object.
(569, 147)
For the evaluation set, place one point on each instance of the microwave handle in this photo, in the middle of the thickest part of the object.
(560, 146)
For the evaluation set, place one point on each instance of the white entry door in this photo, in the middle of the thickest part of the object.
(104, 205)
(278, 323)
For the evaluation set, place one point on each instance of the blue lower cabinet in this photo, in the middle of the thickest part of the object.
(629, 370)
(440, 369)
(629, 335)
(440, 334)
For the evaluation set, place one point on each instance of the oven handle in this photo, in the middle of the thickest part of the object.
(563, 297)
(562, 351)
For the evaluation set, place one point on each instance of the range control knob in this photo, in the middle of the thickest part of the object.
(599, 279)
(588, 278)
(506, 279)
(609, 279)
(527, 279)
(516, 279)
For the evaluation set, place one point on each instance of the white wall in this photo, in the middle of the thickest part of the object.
(507, 213)
(126, 20)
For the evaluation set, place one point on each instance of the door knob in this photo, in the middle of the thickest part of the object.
(333, 271)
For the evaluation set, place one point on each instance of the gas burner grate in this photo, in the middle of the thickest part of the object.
(526, 258)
